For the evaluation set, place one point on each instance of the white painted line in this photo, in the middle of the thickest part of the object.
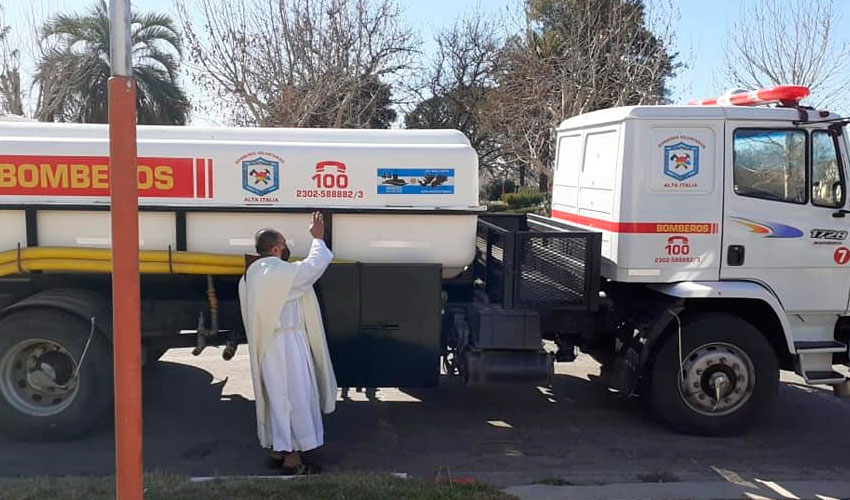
(734, 478)
(779, 489)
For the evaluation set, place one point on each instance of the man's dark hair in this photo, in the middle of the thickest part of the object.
(266, 239)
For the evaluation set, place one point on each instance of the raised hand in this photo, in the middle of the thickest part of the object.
(317, 225)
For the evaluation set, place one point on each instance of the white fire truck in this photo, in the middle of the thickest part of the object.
(693, 250)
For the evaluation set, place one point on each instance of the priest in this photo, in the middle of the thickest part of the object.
(291, 368)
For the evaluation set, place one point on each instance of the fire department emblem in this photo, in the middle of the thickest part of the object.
(260, 176)
(681, 161)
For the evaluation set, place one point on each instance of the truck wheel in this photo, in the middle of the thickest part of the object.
(40, 398)
(728, 376)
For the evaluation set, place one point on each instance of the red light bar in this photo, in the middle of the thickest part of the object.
(786, 95)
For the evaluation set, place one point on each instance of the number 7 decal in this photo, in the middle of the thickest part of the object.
(841, 256)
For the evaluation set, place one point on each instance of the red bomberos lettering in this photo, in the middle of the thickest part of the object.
(89, 176)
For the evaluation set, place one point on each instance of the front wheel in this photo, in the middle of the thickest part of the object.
(726, 378)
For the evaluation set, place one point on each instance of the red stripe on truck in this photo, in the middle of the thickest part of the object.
(200, 177)
(638, 227)
(210, 177)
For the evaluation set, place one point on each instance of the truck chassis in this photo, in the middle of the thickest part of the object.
(533, 295)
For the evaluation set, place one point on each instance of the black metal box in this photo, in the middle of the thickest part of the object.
(513, 329)
(383, 323)
(486, 367)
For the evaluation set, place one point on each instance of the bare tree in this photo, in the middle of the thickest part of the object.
(45, 95)
(459, 81)
(790, 42)
(11, 94)
(574, 56)
(301, 63)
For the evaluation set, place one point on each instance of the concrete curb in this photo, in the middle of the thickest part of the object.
(711, 490)
(206, 479)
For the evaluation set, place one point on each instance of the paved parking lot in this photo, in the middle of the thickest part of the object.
(199, 420)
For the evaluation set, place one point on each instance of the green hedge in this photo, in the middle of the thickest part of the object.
(497, 206)
(524, 198)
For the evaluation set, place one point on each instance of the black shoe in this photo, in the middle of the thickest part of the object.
(312, 458)
(313, 468)
(274, 460)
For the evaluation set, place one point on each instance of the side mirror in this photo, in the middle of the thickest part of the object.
(838, 193)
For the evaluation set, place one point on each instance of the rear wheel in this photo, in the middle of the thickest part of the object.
(46, 392)
(726, 378)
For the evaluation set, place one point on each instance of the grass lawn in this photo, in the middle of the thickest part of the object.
(327, 487)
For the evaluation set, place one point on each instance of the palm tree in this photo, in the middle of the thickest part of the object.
(74, 68)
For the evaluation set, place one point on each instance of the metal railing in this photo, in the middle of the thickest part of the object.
(528, 261)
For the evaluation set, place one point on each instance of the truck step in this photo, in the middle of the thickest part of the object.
(823, 377)
(820, 346)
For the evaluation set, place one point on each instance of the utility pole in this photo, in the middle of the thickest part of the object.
(124, 209)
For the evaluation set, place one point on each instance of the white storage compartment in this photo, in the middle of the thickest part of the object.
(14, 230)
(76, 228)
(403, 238)
(233, 233)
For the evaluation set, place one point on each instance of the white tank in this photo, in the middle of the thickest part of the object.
(397, 196)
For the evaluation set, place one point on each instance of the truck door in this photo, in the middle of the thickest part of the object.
(783, 220)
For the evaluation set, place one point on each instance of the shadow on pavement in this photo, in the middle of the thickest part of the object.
(576, 431)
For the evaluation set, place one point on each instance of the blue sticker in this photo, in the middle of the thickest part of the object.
(416, 181)
(260, 176)
(681, 161)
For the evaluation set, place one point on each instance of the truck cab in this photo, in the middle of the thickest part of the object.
(737, 215)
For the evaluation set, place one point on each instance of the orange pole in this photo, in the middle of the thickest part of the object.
(127, 344)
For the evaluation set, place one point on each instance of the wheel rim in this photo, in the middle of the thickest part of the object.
(717, 379)
(37, 377)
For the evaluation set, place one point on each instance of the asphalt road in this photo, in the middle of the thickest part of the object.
(199, 420)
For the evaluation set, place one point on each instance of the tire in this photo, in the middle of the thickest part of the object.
(40, 400)
(715, 347)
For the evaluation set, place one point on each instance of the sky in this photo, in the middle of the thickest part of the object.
(700, 40)
(700, 28)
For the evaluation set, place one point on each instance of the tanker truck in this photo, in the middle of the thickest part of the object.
(694, 251)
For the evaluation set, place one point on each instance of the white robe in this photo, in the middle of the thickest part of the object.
(291, 369)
